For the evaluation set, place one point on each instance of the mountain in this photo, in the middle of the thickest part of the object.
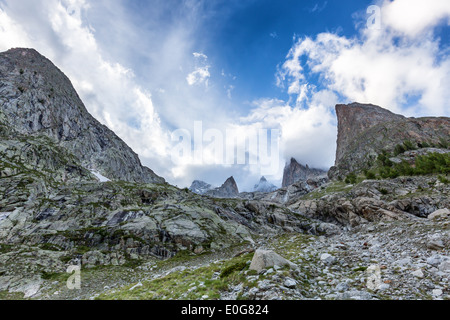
(264, 186)
(39, 100)
(200, 187)
(228, 190)
(365, 130)
(294, 172)
(72, 194)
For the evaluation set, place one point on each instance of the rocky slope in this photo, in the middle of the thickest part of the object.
(54, 211)
(137, 238)
(294, 172)
(365, 130)
(38, 99)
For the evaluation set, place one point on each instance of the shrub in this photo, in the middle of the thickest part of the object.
(370, 175)
(424, 144)
(443, 180)
(443, 143)
(383, 159)
(351, 178)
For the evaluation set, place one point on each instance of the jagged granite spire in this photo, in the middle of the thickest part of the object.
(38, 99)
(295, 171)
(264, 186)
(228, 190)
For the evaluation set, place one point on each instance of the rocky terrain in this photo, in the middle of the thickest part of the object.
(295, 172)
(37, 99)
(73, 194)
(365, 130)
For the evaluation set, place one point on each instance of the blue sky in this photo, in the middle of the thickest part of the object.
(148, 68)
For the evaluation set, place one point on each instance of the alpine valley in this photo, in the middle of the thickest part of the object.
(72, 193)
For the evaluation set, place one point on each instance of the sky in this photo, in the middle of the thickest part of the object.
(208, 89)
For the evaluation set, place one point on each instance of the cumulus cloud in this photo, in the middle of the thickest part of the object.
(145, 93)
(107, 88)
(387, 67)
(413, 17)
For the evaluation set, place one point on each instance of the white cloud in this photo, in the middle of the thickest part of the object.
(201, 73)
(108, 89)
(199, 76)
(400, 67)
(383, 67)
(412, 17)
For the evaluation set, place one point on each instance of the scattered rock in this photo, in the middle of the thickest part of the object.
(263, 259)
(327, 258)
(418, 273)
(438, 214)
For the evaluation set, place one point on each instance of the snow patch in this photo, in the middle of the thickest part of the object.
(99, 176)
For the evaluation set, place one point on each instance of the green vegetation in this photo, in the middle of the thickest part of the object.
(233, 268)
(432, 163)
(443, 179)
(337, 186)
(189, 284)
(351, 178)
(406, 146)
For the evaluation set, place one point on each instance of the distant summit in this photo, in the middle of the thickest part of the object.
(294, 172)
(200, 187)
(228, 190)
(264, 186)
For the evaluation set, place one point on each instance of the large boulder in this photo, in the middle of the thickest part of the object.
(267, 258)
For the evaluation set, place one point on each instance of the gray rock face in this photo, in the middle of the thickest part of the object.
(200, 187)
(264, 186)
(364, 130)
(355, 118)
(294, 172)
(228, 190)
(38, 99)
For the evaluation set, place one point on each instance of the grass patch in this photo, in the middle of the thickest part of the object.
(188, 284)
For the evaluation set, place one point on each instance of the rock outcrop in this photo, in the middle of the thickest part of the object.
(38, 99)
(294, 172)
(228, 190)
(365, 130)
(200, 187)
(264, 186)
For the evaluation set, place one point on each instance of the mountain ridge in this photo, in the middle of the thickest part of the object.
(37, 98)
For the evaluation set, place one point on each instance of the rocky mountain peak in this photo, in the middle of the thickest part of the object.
(38, 99)
(366, 130)
(228, 190)
(356, 118)
(200, 187)
(294, 172)
(264, 186)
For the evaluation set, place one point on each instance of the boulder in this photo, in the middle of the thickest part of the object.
(267, 258)
(441, 213)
